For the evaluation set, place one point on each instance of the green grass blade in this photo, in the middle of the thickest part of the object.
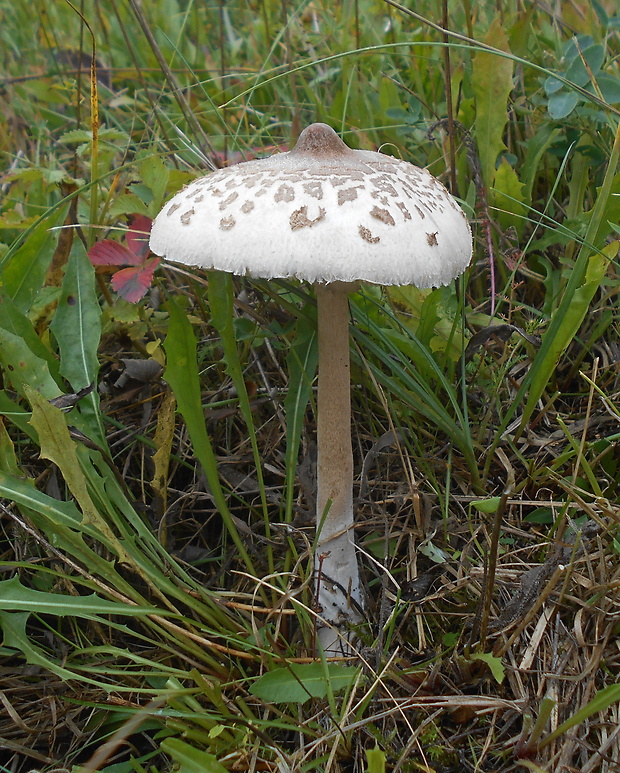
(302, 365)
(191, 760)
(601, 702)
(182, 375)
(571, 310)
(221, 305)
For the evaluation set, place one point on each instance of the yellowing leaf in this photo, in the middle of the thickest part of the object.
(57, 446)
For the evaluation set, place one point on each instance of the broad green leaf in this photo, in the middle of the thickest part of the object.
(553, 85)
(610, 87)
(15, 321)
(189, 759)
(586, 62)
(562, 104)
(77, 329)
(15, 413)
(24, 271)
(492, 84)
(300, 682)
(24, 369)
(494, 663)
(182, 375)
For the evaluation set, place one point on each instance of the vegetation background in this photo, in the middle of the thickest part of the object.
(157, 444)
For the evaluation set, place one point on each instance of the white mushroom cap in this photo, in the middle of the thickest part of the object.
(321, 212)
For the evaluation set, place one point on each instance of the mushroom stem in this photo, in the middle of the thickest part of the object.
(339, 594)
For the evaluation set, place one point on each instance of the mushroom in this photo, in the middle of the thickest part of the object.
(332, 216)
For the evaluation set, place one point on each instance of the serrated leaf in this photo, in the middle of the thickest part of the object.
(127, 204)
(300, 682)
(492, 84)
(58, 447)
(13, 626)
(104, 134)
(137, 236)
(155, 174)
(15, 597)
(76, 136)
(132, 283)
(107, 252)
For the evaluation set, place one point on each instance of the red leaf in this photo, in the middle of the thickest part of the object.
(137, 236)
(132, 283)
(110, 253)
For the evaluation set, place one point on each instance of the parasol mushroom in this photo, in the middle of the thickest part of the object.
(332, 216)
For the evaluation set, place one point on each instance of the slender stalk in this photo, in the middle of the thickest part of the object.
(449, 107)
(339, 594)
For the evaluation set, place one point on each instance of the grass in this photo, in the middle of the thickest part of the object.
(156, 597)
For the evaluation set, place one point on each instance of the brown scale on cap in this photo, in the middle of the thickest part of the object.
(321, 212)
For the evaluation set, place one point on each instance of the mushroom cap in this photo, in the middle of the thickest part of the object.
(322, 213)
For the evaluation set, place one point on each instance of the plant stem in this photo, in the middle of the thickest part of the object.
(339, 593)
